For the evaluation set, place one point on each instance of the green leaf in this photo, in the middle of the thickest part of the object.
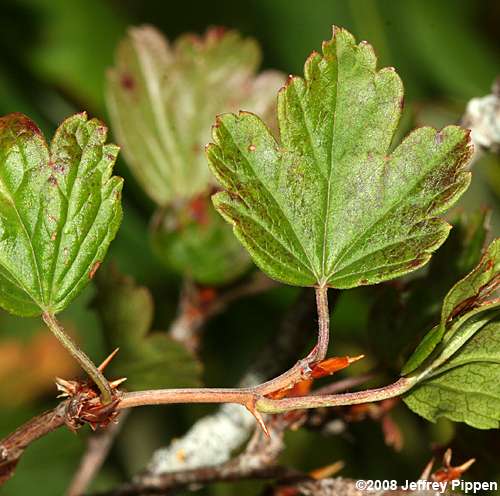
(470, 296)
(162, 100)
(459, 360)
(148, 359)
(467, 387)
(59, 210)
(192, 239)
(329, 205)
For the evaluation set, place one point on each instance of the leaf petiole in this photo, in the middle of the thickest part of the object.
(323, 322)
(84, 361)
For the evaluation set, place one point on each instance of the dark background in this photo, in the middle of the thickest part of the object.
(54, 54)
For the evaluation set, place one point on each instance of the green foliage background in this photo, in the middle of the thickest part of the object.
(54, 57)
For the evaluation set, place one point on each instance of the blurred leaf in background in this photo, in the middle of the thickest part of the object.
(162, 99)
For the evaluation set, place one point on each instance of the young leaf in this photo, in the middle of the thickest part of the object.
(329, 205)
(467, 298)
(147, 359)
(162, 100)
(59, 210)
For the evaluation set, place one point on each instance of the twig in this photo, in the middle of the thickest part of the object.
(90, 410)
(98, 446)
(256, 402)
(72, 411)
(259, 458)
(12, 447)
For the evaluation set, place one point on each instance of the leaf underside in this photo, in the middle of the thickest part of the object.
(329, 205)
(162, 99)
(59, 210)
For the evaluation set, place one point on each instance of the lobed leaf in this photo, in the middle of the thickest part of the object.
(329, 205)
(162, 99)
(59, 210)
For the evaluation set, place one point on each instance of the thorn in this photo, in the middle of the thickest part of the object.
(447, 458)
(427, 470)
(114, 384)
(465, 466)
(66, 388)
(258, 417)
(312, 353)
(355, 358)
(107, 360)
(261, 423)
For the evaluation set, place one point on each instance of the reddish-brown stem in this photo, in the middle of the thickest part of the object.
(242, 396)
(267, 405)
(252, 397)
(13, 446)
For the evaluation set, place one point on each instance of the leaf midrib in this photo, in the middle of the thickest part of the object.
(327, 207)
